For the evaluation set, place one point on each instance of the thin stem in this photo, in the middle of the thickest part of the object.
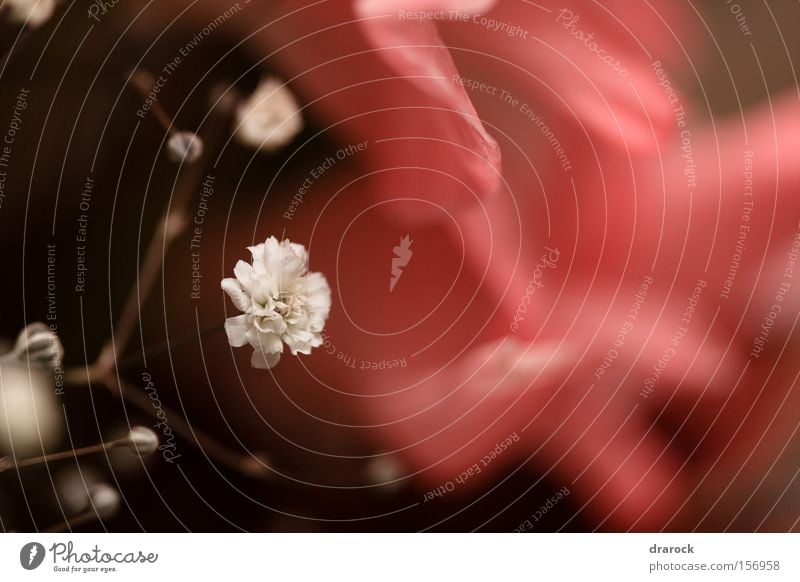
(83, 375)
(7, 463)
(143, 82)
(165, 346)
(78, 376)
(170, 226)
(239, 462)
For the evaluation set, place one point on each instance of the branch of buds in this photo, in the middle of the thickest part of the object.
(104, 503)
(141, 440)
(105, 370)
(266, 121)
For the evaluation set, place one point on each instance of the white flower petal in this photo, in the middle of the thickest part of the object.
(270, 118)
(319, 293)
(282, 301)
(237, 328)
(236, 292)
(38, 345)
(30, 12)
(268, 342)
(296, 259)
(300, 348)
(244, 274)
(264, 361)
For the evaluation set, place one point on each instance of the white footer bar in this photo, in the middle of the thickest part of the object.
(402, 557)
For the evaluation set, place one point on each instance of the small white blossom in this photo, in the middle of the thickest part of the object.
(38, 345)
(73, 485)
(30, 414)
(30, 12)
(142, 440)
(282, 303)
(105, 501)
(387, 471)
(184, 146)
(270, 118)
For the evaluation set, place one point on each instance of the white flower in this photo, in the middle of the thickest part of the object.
(142, 440)
(282, 303)
(270, 118)
(30, 12)
(105, 501)
(184, 146)
(38, 345)
(30, 414)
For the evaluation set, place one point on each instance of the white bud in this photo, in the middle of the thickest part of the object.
(30, 416)
(386, 470)
(30, 12)
(184, 146)
(40, 346)
(73, 486)
(257, 466)
(270, 118)
(105, 500)
(142, 440)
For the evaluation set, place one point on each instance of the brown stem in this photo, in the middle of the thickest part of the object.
(242, 463)
(171, 225)
(143, 81)
(106, 369)
(7, 463)
(79, 376)
(164, 346)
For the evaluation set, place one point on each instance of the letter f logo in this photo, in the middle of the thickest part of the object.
(402, 255)
(31, 555)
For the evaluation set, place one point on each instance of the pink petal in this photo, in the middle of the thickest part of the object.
(386, 84)
(367, 8)
(550, 67)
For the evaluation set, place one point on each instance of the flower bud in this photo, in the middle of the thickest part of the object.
(73, 486)
(30, 415)
(387, 471)
(184, 146)
(142, 440)
(270, 118)
(39, 345)
(30, 12)
(257, 466)
(105, 500)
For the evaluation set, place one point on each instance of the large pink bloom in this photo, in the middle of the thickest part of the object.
(488, 346)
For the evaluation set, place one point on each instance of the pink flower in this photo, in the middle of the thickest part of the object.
(620, 363)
